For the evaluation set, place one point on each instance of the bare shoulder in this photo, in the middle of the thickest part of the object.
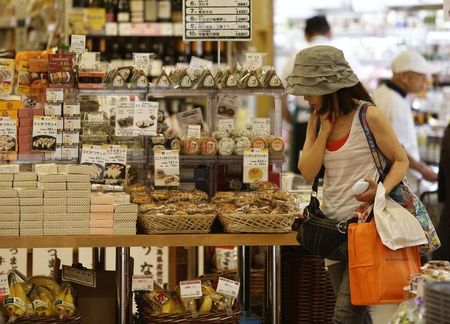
(375, 116)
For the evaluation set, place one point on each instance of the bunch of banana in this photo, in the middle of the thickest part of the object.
(211, 297)
(42, 300)
(64, 302)
(47, 282)
(189, 305)
(16, 303)
(162, 301)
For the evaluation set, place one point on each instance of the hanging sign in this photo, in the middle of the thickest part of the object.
(256, 165)
(217, 20)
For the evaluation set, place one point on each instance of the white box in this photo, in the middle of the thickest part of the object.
(31, 231)
(8, 193)
(46, 168)
(31, 217)
(9, 218)
(9, 168)
(31, 201)
(31, 224)
(9, 209)
(79, 186)
(31, 209)
(78, 209)
(52, 185)
(25, 176)
(78, 178)
(25, 184)
(9, 232)
(59, 177)
(30, 193)
(55, 194)
(78, 201)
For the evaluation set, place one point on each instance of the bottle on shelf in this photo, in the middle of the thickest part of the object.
(151, 10)
(137, 11)
(164, 10)
(193, 50)
(208, 51)
(180, 54)
(104, 55)
(115, 57)
(177, 11)
(123, 11)
(110, 10)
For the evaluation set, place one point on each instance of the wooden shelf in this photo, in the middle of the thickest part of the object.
(147, 240)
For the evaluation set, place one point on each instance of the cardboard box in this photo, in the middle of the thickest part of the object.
(101, 199)
(101, 208)
(25, 184)
(9, 168)
(10, 201)
(55, 194)
(79, 194)
(9, 218)
(31, 231)
(31, 209)
(124, 224)
(126, 208)
(125, 217)
(30, 193)
(6, 184)
(28, 217)
(31, 224)
(52, 186)
(101, 223)
(78, 201)
(10, 232)
(79, 216)
(78, 169)
(78, 209)
(55, 209)
(55, 217)
(8, 193)
(9, 209)
(9, 225)
(78, 178)
(6, 177)
(124, 231)
(46, 168)
(31, 201)
(60, 177)
(78, 186)
(25, 176)
(102, 216)
(101, 231)
(55, 202)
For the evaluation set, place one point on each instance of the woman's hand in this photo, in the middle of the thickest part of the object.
(368, 196)
(326, 124)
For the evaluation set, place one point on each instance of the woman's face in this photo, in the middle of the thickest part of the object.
(315, 102)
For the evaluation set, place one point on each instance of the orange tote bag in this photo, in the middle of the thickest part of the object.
(377, 273)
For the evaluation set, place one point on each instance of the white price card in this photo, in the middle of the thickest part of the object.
(256, 165)
(115, 163)
(142, 283)
(78, 43)
(111, 29)
(142, 61)
(52, 109)
(8, 132)
(145, 118)
(94, 155)
(191, 289)
(55, 95)
(225, 124)
(254, 61)
(85, 277)
(261, 126)
(190, 117)
(45, 131)
(124, 119)
(228, 287)
(89, 60)
(71, 109)
(4, 287)
(217, 20)
(194, 131)
(167, 168)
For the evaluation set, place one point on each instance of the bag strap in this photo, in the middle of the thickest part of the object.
(315, 184)
(376, 152)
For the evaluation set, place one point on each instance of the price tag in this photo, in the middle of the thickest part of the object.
(78, 44)
(145, 118)
(261, 126)
(45, 131)
(190, 117)
(142, 283)
(52, 109)
(142, 61)
(124, 119)
(254, 61)
(71, 110)
(191, 289)
(115, 163)
(194, 131)
(55, 95)
(83, 277)
(256, 165)
(198, 63)
(94, 155)
(225, 124)
(72, 123)
(167, 168)
(8, 131)
(228, 287)
(89, 60)
(4, 287)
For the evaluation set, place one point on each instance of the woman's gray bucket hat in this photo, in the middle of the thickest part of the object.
(320, 70)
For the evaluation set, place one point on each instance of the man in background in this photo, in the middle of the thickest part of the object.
(410, 70)
(317, 32)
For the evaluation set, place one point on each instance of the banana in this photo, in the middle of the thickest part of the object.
(42, 300)
(16, 302)
(10, 307)
(47, 282)
(169, 307)
(59, 302)
(21, 297)
(69, 303)
(206, 305)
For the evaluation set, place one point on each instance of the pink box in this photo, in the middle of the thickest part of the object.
(102, 208)
(25, 131)
(101, 199)
(101, 231)
(102, 216)
(25, 113)
(102, 223)
(38, 112)
(27, 122)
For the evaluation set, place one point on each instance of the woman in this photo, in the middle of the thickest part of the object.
(443, 229)
(335, 95)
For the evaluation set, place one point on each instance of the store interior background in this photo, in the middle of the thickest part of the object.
(374, 32)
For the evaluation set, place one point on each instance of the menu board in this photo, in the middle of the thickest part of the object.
(217, 20)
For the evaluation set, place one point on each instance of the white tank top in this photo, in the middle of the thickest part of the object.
(351, 162)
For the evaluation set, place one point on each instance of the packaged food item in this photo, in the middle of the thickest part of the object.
(226, 146)
(208, 146)
(276, 146)
(242, 143)
(60, 70)
(190, 146)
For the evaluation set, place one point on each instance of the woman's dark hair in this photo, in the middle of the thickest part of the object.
(342, 101)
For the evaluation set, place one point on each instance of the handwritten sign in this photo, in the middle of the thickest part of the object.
(83, 277)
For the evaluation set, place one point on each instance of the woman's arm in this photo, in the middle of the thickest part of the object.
(311, 159)
(389, 146)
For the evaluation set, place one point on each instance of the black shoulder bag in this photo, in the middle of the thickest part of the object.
(320, 235)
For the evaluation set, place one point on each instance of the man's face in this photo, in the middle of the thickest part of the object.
(415, 81)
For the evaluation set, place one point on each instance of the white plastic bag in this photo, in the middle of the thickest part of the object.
(397, 227)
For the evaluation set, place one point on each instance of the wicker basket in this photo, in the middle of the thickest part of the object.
(166, 224)
(48, 320)
(257, 223)
(146, 317)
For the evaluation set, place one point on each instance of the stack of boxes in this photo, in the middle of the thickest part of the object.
(9, 209)
(102, 214)
(78, 198)
(125, 216)
(31, 203)
(25, 132)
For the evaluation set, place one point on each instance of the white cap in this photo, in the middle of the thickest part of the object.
(411, 61)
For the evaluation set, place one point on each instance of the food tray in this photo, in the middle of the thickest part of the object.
(257, 223)
(166, 224)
